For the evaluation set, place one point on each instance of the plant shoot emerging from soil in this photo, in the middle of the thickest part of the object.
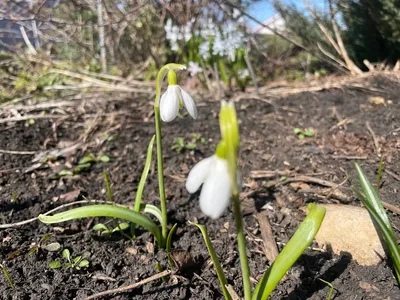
(218, 174)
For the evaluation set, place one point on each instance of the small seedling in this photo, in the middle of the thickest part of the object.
(330, 290)
(107, 231)
(8, 276)
(84, 163)
(52, 247)
(14, 197)
(180, 144)
(304, 133)
(71, 263)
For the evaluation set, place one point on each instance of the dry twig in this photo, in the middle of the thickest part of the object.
(131, 286)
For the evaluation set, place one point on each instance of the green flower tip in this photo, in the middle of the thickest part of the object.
(172, 79)
(229, 124)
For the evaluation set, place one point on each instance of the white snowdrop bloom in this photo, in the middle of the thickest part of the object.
(243, 74)
(187, 31)
(194, 68)
(213, 173)
(174, 98)
(204, 50)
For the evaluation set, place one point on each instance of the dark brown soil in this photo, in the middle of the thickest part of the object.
(121, 129)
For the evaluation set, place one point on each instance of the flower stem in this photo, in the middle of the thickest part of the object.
(241, 240)
(160, 171)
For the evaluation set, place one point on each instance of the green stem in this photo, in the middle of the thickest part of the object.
(241, 240)
(160, 171)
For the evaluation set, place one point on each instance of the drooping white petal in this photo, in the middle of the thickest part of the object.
(169, 104)
(189, 104)
(216, 191)
(198, 174)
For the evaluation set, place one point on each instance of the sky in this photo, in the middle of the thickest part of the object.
(263, 10)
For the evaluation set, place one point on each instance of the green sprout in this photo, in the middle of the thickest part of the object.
(107, 231)
(77, 263)
(302, 133)
(52, 247)
(179, 145)
(84, 163)
(8, 276)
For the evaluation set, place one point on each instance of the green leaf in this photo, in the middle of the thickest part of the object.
(76, 260)
(65, 173)
(215, 260)
(84, 263)
(301, 136)
(108, 186)
(102, 227)
(191, 146)
(8, 276)
(297, 131)
(378, 214)
(309, 133)
(106, 211)
(301, 239)
(142, 182)
(104, 158)
(152, 210)
(81, 167)
(372, 197)
(121, 227)
(66, 254)
(52, 247)
(169, 238)
(145, 173)
(88, 158)
(54, 264)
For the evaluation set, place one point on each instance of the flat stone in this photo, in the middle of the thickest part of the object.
(350, 229)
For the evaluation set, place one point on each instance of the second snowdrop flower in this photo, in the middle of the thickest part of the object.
(175, 98)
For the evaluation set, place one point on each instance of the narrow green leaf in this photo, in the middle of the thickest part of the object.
(145, 172)
(152, 210)
(108, 186)
(372, 197)
(379, 177)
(169, 238)
(105, 211)
(215, 260)
(54, 264)
(80, 168)
(8, 276)
(301, 239)
(142, 182)
(65, 173)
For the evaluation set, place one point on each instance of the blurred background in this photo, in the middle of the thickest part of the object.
(48, 47)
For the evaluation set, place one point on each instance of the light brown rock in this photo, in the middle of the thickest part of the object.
(350, 229)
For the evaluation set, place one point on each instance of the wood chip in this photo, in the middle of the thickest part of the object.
(270, 248)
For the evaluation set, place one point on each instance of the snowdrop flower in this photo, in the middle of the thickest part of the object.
(218, 173)
(174, 98)
(213, 173)
(194, 68)
(204, 50)
(243, 74)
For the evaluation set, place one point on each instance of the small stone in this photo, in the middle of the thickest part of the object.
(350, 229)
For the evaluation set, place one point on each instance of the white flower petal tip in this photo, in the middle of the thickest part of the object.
(189, 104)
(169, 103)
(216, 192)
(198, 174)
